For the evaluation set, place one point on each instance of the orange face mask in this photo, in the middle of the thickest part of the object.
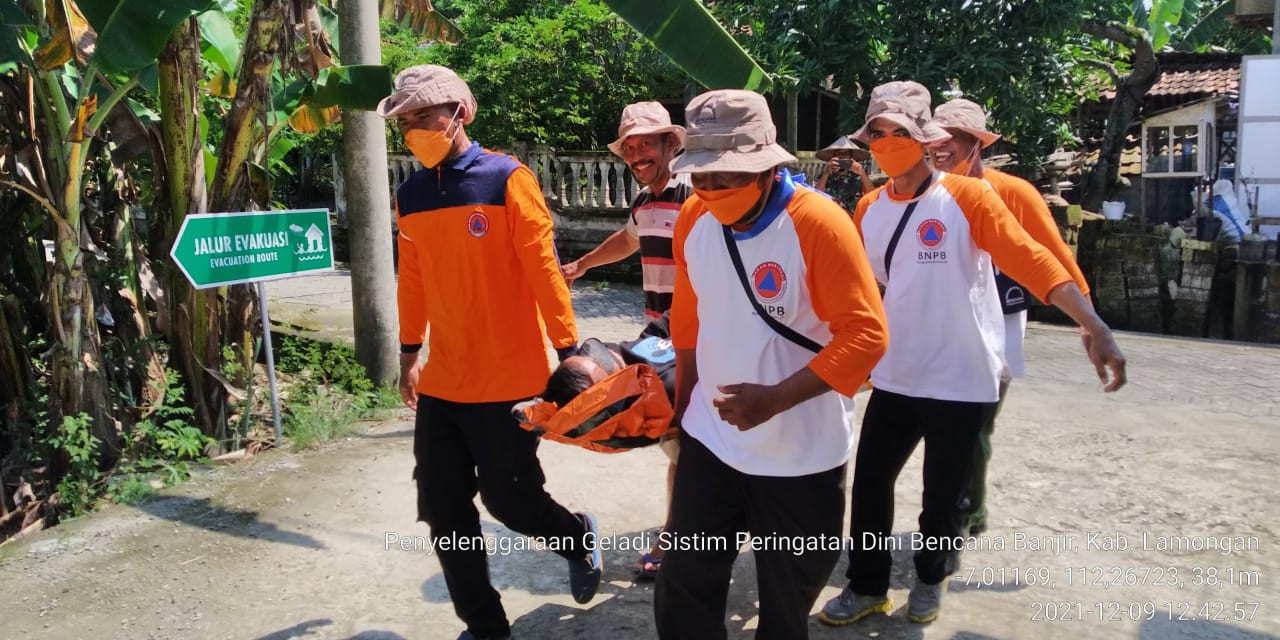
(896, 155)
(965, 167)
(432, 147)
(730, 205)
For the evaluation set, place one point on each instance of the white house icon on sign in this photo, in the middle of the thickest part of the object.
(315, 240)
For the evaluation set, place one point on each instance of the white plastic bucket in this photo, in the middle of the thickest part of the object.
(1113, 209)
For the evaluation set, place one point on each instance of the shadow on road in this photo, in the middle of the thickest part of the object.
(300, 630)
(201, 512)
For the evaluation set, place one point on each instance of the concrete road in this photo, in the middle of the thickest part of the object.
(1147, 514)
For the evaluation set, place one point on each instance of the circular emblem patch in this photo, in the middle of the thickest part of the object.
(769, 281)
(931, 233)
(478, 224)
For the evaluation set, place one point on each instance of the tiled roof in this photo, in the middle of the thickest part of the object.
(1193, 75)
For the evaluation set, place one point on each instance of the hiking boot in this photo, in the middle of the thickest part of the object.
(584, 573)
(925, 601)
(467, 635)
(850, 607)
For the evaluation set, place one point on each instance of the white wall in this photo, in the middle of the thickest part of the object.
(1259, 157)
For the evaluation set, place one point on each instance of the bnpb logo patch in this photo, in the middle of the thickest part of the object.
(931, 233)
(769, 280)
(478, 224)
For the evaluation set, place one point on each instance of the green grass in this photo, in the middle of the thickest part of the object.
(321, 415)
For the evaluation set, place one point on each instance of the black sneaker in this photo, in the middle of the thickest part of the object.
(584, 573)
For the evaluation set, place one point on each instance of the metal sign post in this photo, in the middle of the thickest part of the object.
(271, 359)
(218, 249)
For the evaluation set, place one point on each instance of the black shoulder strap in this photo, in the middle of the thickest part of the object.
(782, 329)
(902, 224)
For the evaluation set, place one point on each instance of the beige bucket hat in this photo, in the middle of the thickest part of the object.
(905, 103)
(643, 118)
(843, 143)
(427, 85)
(730, 130)
(967, 116)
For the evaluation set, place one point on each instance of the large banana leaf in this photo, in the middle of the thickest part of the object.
(221, 46)
(14, 24)
(1165, 15)
(357, 86)
(131, 33)
(694, 41)
(72, 37)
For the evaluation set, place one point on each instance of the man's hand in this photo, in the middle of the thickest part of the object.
(410, 367)
(833, 166)
(856, 168)
(572, 271)
(747, 405)
(1105, 355)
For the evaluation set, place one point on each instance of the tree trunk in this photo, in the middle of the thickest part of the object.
(364, 169)
(253, 93)
(194, 316)
(1130, 91)
(77, 383)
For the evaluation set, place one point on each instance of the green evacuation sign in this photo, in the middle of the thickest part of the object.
(217, 249)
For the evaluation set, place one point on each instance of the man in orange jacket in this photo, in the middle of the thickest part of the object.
(477, 265)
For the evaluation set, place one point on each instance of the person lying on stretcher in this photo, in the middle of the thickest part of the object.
(609, 397)
(595, 360)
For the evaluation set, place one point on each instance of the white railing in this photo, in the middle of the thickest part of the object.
(569, 180)
(574, 180)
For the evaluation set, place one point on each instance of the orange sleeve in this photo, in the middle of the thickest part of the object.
(843, 290)
(410, 299)
(684, 302)
(534, 242)
(864, 203)
(1029, 207)
(995, 231)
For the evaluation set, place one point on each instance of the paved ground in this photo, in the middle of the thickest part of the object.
(313, 545)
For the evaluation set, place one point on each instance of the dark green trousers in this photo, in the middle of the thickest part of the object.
(982, 455)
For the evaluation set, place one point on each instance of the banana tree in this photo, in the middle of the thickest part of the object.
(79, 67)
(285, 74)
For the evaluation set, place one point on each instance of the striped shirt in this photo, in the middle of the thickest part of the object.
(652, 221)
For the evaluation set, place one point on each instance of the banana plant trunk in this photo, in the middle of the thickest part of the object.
(192, 318)
(77, 383)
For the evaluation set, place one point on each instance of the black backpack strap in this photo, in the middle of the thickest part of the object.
(902, 224)
(782, 329)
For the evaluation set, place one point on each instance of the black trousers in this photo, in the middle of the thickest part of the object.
(711, 504)
(891, 428)
(462, 448)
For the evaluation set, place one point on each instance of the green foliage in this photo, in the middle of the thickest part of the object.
(556, 73)
(331, 391)
(168, 433)
(80, 487)
(159, 447)
(316, 415)
(323, 363)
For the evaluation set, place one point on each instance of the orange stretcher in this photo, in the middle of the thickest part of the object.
(626, 410)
